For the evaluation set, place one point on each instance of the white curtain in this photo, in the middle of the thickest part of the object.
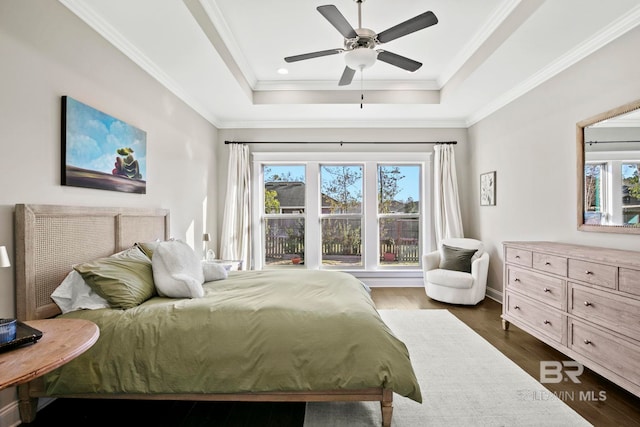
(235, 240)
(448, 222)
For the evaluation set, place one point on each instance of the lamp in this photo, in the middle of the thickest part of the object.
(7, 326)
(360, 58)
(4, 257)
(210, 255)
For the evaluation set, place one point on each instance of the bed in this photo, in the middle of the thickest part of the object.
(253, 336)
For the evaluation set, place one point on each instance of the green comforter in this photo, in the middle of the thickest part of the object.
(255, 331)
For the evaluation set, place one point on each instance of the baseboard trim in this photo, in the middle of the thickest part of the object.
(10, 414)
(494, 295)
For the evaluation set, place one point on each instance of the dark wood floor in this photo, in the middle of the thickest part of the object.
(619, 409)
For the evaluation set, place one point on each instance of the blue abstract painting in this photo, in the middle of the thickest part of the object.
(101, 151)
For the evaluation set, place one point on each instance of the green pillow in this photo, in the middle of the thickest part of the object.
(457, 259)
(124, 279)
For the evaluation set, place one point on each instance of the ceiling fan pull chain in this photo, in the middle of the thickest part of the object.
(361, 89)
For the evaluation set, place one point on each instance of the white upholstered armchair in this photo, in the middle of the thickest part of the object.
(457, 272)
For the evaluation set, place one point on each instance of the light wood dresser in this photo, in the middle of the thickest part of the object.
(584, 301)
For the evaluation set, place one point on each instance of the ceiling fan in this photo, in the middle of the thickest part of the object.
(360, 43)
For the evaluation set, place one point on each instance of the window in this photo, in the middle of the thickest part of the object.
(283, 226)
(341, 214)
(361, 212)
(612, 190)
(630, 193)
(595, 193)
(399, 214)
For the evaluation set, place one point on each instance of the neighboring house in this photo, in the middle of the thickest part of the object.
(291, 196)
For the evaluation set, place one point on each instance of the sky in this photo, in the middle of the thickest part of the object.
(628, 170)
(93, 137)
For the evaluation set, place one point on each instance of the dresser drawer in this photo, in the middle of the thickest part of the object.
(544, 319)
(614, 312)
(519, 257)
(616, 354)
(595, 274)
(629, 281)
(550, 263)
(547, 289)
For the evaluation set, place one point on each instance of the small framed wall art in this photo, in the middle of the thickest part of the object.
(488, 189)
(100, 151)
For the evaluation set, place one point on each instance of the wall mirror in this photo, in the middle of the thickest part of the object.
(608, 154)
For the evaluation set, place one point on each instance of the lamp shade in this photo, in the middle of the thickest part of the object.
(360, 58)
(4, 257)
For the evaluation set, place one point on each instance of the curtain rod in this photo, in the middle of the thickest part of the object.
(608, 142)
(341, 142)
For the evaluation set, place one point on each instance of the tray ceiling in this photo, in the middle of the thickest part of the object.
(222, 56)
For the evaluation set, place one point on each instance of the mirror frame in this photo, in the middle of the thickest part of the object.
(624, 109)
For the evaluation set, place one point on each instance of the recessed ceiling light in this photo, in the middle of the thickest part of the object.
(283, 71)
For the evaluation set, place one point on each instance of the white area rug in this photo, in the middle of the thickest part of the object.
(465, 381)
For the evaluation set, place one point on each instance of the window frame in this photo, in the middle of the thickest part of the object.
(611, 182)
(313, 161)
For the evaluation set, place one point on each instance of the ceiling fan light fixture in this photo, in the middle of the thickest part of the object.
(359, 59)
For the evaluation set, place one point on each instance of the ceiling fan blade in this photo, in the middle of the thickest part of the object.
(347, 76)
(313, 55)
(338, 20)
(414, 24)
(398, 61)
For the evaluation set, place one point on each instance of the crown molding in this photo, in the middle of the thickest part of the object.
(382, 85)
(337, 124)
(476, 42)
(93, 20)
(608, 34)
(220, 24)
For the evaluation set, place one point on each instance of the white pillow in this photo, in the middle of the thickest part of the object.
(214, 271)
(74, 294)
(177, 271)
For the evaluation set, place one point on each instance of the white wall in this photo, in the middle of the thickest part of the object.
(531, 143)
(47, 52)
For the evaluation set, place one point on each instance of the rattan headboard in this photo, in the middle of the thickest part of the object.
(50, 239)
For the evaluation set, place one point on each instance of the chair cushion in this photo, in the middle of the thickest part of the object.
(466, 243)
(458, 259)
(450, 278)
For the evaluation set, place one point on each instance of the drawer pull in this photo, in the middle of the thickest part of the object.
(546, 322)
(516, 307)
(587, 304)
(587, 342)
(547, 290)
(517, 256)
(547, 263)
(516, 280)
(588, 272)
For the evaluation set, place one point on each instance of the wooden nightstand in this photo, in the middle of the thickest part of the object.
(62, 340)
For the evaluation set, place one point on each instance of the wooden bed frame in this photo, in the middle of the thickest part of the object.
(49, 239)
